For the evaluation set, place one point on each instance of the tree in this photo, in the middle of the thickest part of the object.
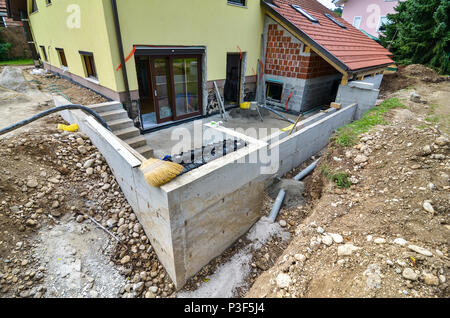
(338, 11)
(419, 33)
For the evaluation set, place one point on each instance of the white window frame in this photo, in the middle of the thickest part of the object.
(360, 21)
(380, 22)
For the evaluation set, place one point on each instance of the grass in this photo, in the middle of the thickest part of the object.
(17, 62)
(341, 179)
(348, 135)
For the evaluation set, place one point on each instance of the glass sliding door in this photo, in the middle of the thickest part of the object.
(186, 83)
(175, 86)
(162, 89)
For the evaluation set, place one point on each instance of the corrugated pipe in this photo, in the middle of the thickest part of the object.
(277, 205)
(51, 111)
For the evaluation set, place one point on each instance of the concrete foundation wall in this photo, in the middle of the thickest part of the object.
(375, 80)
(297, 148)
(359, 92)
(194, 218)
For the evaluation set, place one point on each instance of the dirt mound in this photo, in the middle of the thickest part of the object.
(409, 76)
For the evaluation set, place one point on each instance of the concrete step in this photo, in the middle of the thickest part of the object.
(145, 151)
(127, 133)
(120, 124)
(106, 107)
(114, 115)
(136, 142)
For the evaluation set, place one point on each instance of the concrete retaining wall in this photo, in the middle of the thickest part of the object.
(194, 218)
(362, 93)
(299, 147)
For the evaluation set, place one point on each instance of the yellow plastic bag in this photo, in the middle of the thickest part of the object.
(71, 128)
(245, 105)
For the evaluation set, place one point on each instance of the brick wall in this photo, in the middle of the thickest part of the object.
(287, 57)
(9, 22)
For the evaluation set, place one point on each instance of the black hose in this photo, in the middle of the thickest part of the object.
(51, 111)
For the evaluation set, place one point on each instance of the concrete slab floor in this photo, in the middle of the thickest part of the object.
(164, 142)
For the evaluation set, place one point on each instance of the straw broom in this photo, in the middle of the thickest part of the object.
(158, 172)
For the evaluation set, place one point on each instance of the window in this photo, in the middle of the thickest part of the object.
(304, 13)
(48, 2)
(237, 2)
(89, 64)
(357, 22)
(329, 16)
(62, 57)
(44, 53)
(383, 22)
(274, 91)
(34, 6)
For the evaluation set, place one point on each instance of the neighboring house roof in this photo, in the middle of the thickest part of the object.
(349, 48)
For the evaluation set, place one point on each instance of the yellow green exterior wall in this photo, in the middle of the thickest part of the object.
(50, 29)
(214, 24)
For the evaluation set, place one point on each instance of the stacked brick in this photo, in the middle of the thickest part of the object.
(286, 56)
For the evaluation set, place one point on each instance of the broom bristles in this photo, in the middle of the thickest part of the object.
(158, 172)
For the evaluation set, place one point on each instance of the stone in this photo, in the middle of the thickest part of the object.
(149, 294)
(347, 249)
(283, 223)
(125, 259)
(300, 257)
(400, 241)
(137, 228)
(337, 238)
(430, 279)
(32, 183)
(111, 222)
(55, 204)
(80, 218)
(441, 141)
(428, 207)
(327, 240)
(379, 241)
(89, 171)
(88, 163)
(360, 159)
(82, 150)
(409, 274)
(138, 287)
(106, 186)
(420, 250)
(320, 230)
(427, 150)
(283, 280)
(416, 98)
(54, 180)
(31, 223)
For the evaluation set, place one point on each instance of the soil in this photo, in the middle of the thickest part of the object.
(385, 203)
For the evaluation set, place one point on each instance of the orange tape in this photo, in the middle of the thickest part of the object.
(240, 51)
(128, 57)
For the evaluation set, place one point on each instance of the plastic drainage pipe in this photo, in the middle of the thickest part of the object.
(277, 205)
(307, 171)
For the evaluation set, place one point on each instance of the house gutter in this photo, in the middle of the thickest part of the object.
(122, 56)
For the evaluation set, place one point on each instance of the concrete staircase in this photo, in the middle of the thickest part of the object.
(122, 126)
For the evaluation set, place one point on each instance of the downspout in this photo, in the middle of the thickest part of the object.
(122, 56)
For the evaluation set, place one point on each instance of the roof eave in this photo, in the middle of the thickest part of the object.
(310, 41)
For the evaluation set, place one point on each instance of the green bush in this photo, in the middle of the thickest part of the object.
(348, 135)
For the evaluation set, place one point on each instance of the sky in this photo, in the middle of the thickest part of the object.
(328, 3)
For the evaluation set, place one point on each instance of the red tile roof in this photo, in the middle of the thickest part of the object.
(349, 46)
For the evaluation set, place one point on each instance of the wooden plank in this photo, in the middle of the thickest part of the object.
(219, 99)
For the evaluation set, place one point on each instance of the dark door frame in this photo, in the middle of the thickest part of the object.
(152, 83)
